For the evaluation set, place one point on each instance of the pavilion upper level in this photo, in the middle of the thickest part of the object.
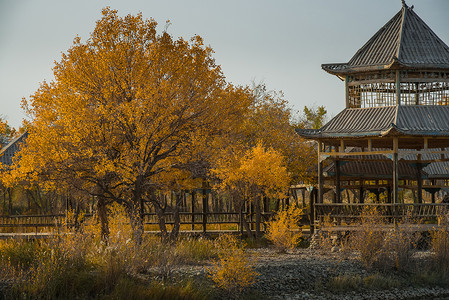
(404, 63)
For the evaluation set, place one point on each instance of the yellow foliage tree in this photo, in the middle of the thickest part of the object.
(258, 171)
(126, 106)
(283, 230)
(270, 121)
(233, 271)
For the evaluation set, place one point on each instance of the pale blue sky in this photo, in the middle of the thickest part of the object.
(282, 43)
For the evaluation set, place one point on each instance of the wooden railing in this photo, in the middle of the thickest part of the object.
(196, 220)
(351, 212)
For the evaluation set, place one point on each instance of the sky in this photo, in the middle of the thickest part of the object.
(281, 43)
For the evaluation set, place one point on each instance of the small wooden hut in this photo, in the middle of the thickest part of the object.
(394, 130)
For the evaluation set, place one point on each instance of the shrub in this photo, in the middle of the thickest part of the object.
(384, 249)
(233, 271)
(440, 245)
(283, 230)
(369, 240)
(399, 247)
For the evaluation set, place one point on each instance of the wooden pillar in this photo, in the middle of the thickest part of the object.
(312, 210)
(337, 182)
(347, 91)
(398, 88)
(361, 193)
(192, 210)
(320, 174)
(389, 193)
(395, 171)
(205, 200)
(418, 178)
(433, 191)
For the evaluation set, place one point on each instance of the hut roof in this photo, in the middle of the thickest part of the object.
(403, 42)
(7, 153)
(379, 167)
(410, 120)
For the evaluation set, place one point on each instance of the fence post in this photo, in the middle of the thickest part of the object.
(193, 209)
(204, 208)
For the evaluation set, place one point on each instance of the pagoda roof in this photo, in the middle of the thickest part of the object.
(405, 41)
(411, 120)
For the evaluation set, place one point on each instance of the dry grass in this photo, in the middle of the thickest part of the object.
(77, 264)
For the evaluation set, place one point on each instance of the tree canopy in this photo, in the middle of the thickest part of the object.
(126, 105)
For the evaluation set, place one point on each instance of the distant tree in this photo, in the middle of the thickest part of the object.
(6, 132)
(312, 117)
(256, 172)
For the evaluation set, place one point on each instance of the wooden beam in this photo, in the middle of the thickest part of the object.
(395, 171)
(385, 152)
(320, 174)
(337, 182)
(398, 88)
(347, 91)
(356, 153)
(418, 178)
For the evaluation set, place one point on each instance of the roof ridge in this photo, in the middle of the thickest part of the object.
(395, 121)
(401, 35)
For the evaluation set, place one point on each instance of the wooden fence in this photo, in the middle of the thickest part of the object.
(194, 219)
(348, 213)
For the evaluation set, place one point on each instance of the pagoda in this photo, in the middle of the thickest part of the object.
(395, 126)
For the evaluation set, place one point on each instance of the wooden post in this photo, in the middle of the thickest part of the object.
(320, 174)
(347, 91)
(395, 171)
(395, 178)
(303, 191)
(312, 210)
(337, 182)
(205, 200)
(398, 88)
(192, 210)
(361, 195)
(389, 193)
(433, 191)
(418, 178)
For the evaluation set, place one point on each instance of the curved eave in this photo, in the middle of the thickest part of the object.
(389, 132)
(345, 69)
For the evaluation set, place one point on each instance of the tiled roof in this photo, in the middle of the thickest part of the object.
(9, 151)
(405, 40)
(379, 167)
(382, 121)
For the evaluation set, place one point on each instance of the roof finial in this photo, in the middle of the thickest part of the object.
(404, 4)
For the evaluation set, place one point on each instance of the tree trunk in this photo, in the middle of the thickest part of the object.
(136, 222)
(177, 219)
(161, 220)
(248, 229)
(102, 215)
(135, 211)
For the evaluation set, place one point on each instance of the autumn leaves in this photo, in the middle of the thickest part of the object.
(132, 113)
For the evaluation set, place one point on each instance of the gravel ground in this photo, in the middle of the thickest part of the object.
(304, 273)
